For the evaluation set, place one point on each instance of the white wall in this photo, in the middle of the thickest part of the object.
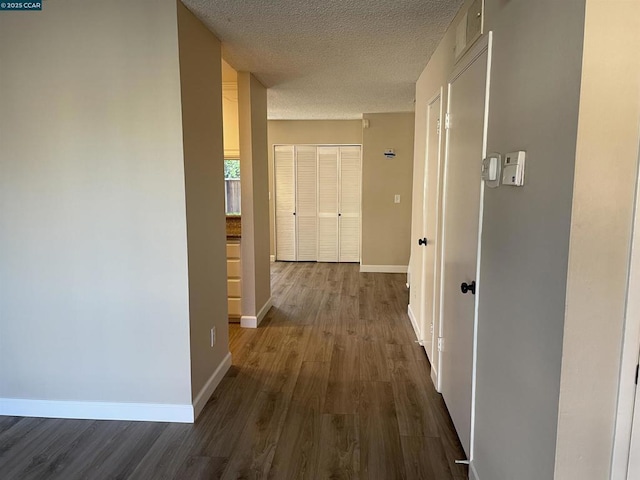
(93, 248)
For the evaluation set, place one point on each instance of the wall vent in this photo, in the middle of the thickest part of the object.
(469, 29)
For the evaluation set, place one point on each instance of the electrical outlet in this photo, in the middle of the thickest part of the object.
(213, 336)
(396, 199)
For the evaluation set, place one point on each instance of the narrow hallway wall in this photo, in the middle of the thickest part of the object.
(386, 225)
(254, 171)
(94, 304)
(201, 89)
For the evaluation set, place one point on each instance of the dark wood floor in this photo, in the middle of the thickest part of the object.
(331, 386)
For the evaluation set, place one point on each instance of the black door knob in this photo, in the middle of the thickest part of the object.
(422, 241)
(468, 287)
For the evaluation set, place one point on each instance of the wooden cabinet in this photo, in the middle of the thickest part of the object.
(234, 281)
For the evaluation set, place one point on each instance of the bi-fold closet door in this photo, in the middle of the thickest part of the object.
(317, 203)
(296, 204)
(339, 204)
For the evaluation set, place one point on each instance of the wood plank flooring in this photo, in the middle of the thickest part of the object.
(331, 386)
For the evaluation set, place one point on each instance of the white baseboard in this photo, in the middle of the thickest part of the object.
(249, 321)
(383, 268)
(272, 258)
(414, 324)
(473, 474)
(144, 412)
(434, 379)
(205, 394)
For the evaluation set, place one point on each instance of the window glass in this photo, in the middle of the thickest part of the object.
(232, 186)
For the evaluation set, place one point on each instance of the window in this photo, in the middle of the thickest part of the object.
(232, 186)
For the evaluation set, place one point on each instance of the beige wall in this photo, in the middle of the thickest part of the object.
(381, 178)
(200, 79)
(256, 278)
(230, 119)
(310, 132)
(605, 179)
(93, 265)
(230, 111)
(386, 226)
(229, 74)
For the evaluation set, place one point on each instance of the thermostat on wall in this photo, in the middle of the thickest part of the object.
(513, 169)
(491, 168)
(390, 153)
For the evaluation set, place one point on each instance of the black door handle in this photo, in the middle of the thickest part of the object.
(422, 241)
(471, 287)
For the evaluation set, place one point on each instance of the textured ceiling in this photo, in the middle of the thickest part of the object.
(330, 59)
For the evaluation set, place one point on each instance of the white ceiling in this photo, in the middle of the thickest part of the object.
(330, 59)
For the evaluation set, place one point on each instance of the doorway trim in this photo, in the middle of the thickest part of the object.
(630, 348)
(437, 239)
(485, 134)
(485, 43)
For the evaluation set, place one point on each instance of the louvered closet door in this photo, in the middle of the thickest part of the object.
(349, 206)
(306, 203)
(328, 204)
(285, 202)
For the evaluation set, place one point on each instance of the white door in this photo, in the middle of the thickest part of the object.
(461, 218)
(328, 204)
(306, 203)
(284, 166)
(430, 242)
(349, 204)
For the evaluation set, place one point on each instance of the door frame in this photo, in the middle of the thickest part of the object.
(483, 44)
(627, 388)
(488, 46)
(435, 242)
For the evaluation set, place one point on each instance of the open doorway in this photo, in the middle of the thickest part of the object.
(232, 189)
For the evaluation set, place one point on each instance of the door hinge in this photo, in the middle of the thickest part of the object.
(431, 329)
(440, 344)
(438, 127)
(637, 367)
(447, 121)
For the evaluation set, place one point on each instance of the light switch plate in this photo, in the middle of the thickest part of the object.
(491, 170)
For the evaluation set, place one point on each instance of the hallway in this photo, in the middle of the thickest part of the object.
(331, 385)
